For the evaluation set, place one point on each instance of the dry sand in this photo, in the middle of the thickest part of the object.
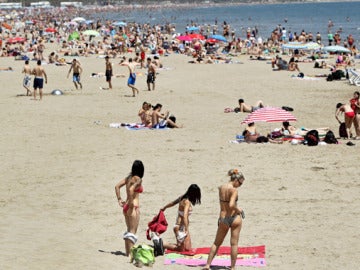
(58, 168)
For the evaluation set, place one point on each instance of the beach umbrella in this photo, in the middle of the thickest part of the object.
(79, 19)
(335, 49)
(211, 40)
(50, 30)
(293, 46)
(119, 23)
(7, 26)
(219, 38)
(196, 36)
(312, 46)
(16, 40)
(192, 28)
(269, 114)
(91, 33)
(73, 36)
(184, 38)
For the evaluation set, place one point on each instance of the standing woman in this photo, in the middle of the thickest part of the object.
(130, 206)
(355, 105)
(181, 227)
(230, 217)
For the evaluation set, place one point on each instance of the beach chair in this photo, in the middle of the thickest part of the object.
(354, 77)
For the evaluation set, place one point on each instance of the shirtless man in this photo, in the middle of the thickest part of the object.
(243, 107)
(77, 70)
(157, 115)
(40, 74)
(27, 77)
(151, 74)
(132, 75)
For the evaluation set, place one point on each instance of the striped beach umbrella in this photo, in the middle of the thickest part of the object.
(269, 114)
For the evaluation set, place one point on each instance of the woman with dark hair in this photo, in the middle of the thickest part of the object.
(130, 206)
(230, 217)
(181, 227)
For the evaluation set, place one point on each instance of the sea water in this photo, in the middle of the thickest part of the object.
(295, 17)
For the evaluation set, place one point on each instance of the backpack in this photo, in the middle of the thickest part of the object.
(312, 138)
(142, 255)
(342, 131)
(330, 138)
(158, 247)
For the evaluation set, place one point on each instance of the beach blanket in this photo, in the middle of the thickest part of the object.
(247, 256)
(133, 126)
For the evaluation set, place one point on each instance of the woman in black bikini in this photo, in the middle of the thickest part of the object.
(230, 217)
(130, 207)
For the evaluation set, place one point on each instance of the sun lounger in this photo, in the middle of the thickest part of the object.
(354, 77)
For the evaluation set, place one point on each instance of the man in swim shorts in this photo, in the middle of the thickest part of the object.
(151, 74)
(132, 75)
(77, 70)
(108, 71)
(40, 74)
(27, 78)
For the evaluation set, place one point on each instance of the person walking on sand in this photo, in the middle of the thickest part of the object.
(77, 70)
(130, 207)
(132, 75)
(181, 227)
(151, 74)
(27, 77)
(40, 75)
(230, 217)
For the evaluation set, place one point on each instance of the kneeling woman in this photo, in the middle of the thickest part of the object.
(181, 227)
(131, 205)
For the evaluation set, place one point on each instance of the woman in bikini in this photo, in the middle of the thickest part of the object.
(349, 115)
(230, 217)
(181, 227)
(131, 205)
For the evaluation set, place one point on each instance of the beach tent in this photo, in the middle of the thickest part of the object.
(73, 36)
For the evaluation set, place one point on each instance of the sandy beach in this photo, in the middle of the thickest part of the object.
(61, 161)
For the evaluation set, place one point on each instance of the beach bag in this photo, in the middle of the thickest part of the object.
(330, 138)
(342, 131)
(142, 255)
(312, 138)
(158, 247)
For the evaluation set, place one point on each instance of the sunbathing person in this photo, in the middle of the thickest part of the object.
(250, 133)
(160, 120)
(145, 114)
(243, 107)
(289, 130)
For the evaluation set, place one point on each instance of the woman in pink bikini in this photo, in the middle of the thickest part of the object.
(131, 205)
(349, 115)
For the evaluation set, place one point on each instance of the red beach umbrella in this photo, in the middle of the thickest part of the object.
(196, 36)
(184, 38)
(16, 40)
(211, 40)
(50, 30)
(269, 114)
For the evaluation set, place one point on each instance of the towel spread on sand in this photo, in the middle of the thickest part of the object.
(134, 126)
(247, 256)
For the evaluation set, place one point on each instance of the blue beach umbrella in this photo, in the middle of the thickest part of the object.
(219, 38)
(192, 28)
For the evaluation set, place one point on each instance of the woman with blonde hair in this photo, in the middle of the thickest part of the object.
(230, 217)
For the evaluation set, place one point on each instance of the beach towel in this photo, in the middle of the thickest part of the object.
(247, 256)
(134, 126)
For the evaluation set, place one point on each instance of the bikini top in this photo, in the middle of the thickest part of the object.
(140, 189)
(181, 213)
